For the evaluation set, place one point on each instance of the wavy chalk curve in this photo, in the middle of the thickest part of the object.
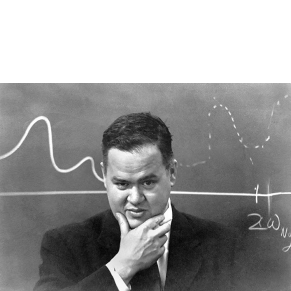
(51, 150)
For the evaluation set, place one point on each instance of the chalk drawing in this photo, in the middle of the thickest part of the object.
(51, 150)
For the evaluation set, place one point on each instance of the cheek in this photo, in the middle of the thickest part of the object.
(116, 198)
(159, 201)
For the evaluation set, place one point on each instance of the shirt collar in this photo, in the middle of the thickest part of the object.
(168, 213)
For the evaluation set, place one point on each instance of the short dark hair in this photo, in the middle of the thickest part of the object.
(130, 132)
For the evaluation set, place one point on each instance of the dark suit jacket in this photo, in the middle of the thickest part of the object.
(201, 255)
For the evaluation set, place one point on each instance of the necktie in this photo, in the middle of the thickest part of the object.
(147, 280)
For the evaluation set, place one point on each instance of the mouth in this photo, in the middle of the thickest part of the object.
(135, 213)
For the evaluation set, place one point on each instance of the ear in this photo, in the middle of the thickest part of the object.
(173, 172)
(104, 174)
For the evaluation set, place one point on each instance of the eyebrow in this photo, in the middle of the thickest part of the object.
(115, 179)
(148, 177)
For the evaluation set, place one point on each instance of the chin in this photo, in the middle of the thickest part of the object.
(134, 223)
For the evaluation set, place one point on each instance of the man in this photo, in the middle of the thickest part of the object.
(143, 242)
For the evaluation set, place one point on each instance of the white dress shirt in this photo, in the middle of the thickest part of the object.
(162, 261)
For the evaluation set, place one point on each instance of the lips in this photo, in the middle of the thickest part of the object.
(135, 212)
(135, 209)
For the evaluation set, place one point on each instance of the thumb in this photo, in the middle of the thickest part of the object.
(123, 224)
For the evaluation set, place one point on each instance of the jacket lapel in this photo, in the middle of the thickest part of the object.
(184, 256)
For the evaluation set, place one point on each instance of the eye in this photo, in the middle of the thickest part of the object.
(122, 185)
(149, 184)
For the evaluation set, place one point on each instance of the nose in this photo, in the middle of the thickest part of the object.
(135, 195)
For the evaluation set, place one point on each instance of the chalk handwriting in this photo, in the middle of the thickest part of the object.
(258, 223)
(287, 248)
(272, 223)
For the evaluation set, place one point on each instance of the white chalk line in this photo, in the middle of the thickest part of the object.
(50, 139)
(36, 193)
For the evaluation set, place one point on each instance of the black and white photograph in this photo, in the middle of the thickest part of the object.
(145, 187)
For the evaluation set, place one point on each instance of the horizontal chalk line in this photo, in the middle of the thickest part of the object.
(50, 193)
(173, 192)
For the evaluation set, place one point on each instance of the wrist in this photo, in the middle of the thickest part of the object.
(124, 270)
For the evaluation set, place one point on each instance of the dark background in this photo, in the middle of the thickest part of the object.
(79, 113)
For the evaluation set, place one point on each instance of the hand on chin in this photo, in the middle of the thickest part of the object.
(135, 219)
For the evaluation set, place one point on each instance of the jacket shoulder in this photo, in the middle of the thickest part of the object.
(205, 228)
(80, 232)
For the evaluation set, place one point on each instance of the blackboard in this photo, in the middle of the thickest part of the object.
(232, 143)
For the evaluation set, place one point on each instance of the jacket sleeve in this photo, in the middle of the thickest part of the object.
(60, 271)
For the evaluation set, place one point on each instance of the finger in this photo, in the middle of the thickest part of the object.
(123, 224)
(162, 229)
(161, 251)
(153, 222)
(165, 221)
(162, 240)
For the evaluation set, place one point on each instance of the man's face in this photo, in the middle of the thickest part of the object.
(138, 184)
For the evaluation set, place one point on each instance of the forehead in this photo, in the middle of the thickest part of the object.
(145, 159)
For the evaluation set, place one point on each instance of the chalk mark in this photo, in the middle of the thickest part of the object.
(257, 189)
(51, 151)
(247, 146)
(172, 192)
